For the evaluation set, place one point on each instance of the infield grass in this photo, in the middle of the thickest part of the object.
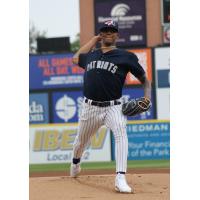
(100, 165)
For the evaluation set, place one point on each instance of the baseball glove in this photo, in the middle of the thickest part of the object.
(136, 106)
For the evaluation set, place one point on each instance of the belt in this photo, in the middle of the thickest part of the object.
(102, 104)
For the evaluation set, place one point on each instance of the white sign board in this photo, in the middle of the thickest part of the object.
(162, 67)
(53, 143)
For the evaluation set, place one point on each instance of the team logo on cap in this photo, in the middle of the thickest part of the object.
(110, 23)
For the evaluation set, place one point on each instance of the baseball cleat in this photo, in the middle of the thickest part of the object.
(75, 169)
(121, 184)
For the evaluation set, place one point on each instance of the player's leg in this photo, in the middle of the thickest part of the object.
(116, 121)
(89, 123)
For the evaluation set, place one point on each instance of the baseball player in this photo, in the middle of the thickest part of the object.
(105, 72)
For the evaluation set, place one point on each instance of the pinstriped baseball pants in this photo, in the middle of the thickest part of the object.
(91, 119)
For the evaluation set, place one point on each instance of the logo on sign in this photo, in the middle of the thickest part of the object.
(36, 112)
(166, 33)
(120, 10)
(65, 108)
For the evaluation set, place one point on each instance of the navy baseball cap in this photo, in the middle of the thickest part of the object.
(110, 24)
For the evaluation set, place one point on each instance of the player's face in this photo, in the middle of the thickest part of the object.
(109, 37)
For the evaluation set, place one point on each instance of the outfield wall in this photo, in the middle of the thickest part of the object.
(148, 140)
(56, 97)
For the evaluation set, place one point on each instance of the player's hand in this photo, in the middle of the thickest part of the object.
(75, 60)
(97, 38)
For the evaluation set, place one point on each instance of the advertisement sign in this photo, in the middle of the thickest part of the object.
(130, 16)
(131, 93)
(147, 140)
(162, 67)
(54, 71)
(54, 144)
(145, 60)
(66, 106)
(38, 108)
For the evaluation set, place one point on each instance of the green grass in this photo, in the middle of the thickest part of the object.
(100, 165)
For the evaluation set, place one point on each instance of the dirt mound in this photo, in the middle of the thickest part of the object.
(154, 186)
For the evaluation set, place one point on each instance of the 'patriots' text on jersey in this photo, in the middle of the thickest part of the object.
(102, 65)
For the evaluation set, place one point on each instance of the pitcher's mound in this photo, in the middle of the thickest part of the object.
(99, 187)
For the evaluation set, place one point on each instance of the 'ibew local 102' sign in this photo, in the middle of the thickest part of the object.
(54, 143)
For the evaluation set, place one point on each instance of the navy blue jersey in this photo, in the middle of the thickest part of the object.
(105, 73)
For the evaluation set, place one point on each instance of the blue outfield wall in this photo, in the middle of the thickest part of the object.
(147, 140)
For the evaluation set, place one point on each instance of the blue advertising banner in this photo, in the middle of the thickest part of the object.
(54, 71)
(147, 140)
(130, 16)
(66, 106)
(131, 93)
(38, 108)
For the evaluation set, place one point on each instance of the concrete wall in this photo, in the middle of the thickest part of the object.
(154, 26)
(86, 20)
